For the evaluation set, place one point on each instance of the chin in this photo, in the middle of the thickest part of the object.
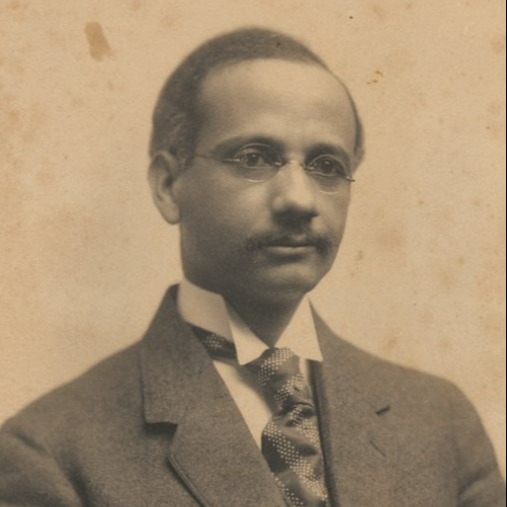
(287, 284)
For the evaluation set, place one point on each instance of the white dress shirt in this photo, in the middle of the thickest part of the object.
(209, 311)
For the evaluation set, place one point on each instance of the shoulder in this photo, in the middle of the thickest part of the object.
(414, 396)
(434, 422)
(62, 442)
(106, 391)
(375, 373)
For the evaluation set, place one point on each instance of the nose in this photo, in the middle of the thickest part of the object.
(293, 193)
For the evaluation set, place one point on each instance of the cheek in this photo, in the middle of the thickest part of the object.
(333, 210)
(215, 214)
(199, 197)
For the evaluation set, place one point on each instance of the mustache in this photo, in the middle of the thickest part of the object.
(277, 238)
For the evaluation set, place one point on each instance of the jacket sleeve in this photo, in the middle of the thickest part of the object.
(29, 475)
(480, 482)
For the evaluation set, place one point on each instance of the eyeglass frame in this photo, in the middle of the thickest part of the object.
(278, 164)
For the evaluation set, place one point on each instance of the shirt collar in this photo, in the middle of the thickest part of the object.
(209, 310)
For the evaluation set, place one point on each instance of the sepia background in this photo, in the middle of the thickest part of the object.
(85, 257)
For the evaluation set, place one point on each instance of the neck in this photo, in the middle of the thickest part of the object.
(266, 313)
(267, 319)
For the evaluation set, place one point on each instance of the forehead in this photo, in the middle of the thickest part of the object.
(284, 98)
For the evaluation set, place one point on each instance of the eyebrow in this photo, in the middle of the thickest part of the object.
(237, 142)
(314, 150)
(328, 149)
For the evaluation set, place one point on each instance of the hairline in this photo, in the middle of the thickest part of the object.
(177, 118)
(221, 66)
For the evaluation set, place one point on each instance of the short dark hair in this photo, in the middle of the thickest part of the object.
(176, 120)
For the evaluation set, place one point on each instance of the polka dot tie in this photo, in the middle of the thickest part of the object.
(290, 440)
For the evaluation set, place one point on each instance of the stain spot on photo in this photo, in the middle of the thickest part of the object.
(444, 344)
(378, 75)
(379, 11)
(498, 44)
(496, 108)
(496, 130)
(98, 44)
(391, 240)
(390, 343)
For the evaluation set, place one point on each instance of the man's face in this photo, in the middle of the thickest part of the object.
(275, 239)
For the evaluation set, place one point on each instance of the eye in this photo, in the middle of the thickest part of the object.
(328, 166)
(255, 156)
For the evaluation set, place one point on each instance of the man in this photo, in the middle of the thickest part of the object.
(239, 394)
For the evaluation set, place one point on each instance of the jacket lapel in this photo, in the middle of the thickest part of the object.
(212, 451)
(357, 443)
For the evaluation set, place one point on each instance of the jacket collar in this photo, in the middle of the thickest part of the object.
(213, 451)
(354, 409)
(182, 388)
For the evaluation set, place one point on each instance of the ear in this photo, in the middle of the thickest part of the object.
(162, 175)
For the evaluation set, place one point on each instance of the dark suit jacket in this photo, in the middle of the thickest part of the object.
(154, 425)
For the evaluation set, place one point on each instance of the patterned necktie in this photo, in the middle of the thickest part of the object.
(290, 440)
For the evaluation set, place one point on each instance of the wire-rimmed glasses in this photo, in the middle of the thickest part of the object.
(259, 163)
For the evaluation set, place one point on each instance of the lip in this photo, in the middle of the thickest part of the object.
(297, 244)
(290, 248)
(293, 241)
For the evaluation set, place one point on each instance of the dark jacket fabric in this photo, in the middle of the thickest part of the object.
(154, 425)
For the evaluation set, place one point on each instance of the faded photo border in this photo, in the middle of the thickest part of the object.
(85, 257)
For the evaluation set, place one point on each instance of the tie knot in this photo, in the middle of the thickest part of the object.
(277, 370)
(278, 373)
(274, 365)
